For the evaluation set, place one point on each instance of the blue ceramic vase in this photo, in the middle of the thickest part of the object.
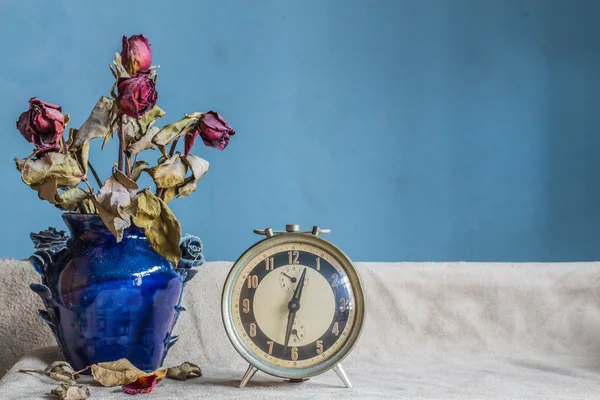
(106, 300)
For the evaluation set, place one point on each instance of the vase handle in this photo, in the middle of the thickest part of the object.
(47, 244)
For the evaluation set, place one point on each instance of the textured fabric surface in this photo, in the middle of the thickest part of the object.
(432, 331)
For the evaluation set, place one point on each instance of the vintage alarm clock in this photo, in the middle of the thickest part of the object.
(293, 305)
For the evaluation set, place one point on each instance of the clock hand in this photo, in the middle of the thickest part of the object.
(293, 307)
(295, 332)
(291, 278)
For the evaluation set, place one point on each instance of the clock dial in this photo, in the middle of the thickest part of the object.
(267, 298)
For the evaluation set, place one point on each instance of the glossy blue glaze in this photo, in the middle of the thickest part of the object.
(107, 300)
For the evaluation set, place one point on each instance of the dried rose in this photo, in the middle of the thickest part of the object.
(136, 54)
(213, 130)
(43, 125)
(137, 95)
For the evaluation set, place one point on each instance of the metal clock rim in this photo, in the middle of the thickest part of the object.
(236, 340)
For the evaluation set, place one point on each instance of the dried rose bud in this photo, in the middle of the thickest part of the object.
(214, 131)
(136, 54)
(137, 95)
(43, 125)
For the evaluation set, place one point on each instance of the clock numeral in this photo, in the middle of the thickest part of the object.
(246, 306)
(270, 343)
(319, 346)
(294, 257)
(336, 329)
(343, 304)
(270, 263)
(335, 280)
(294, 353)
(252, 281)
(252, 329)
(318, 263)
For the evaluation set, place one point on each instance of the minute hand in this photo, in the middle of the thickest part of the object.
(293, 307)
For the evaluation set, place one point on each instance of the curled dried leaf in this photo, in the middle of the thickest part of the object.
(170, 173)
(116, 373)
(177, 129)
(72, 392)
(150, 118)
(64, 168)
(159, 224)
(116, 203)
(184, 371)
(59, 370)
(100, 123)
(144, 142)
(137, 169)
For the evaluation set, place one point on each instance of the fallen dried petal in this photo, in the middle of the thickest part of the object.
(144, 384)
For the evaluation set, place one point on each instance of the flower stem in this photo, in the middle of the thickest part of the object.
(98, 180)
(81, 370)
(173, 146)
(121, 133)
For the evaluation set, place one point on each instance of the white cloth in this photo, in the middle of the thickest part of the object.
(432, 331)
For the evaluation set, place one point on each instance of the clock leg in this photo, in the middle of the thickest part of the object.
(342, 375)
(248, 375)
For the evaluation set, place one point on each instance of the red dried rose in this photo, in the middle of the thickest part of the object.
(43, 125)
(136, 54)
(214, 131)
(137, 95)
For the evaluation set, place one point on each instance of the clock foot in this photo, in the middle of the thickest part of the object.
(342, 375)
(248, 375)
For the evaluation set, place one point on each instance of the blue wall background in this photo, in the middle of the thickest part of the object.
(416, 130)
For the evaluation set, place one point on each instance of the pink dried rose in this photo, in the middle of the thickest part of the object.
(137, 95)
(136, 54)
(143, 384)
(214, 131)
(43, 125)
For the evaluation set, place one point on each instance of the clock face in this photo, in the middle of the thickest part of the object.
(293, 304)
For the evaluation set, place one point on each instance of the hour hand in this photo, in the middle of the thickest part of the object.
(290, 277)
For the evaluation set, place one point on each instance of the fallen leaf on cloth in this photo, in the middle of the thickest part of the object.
(184, 371)
(58, 370)
(121, 372)
(71, 392)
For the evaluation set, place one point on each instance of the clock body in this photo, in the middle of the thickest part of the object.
(262, 292)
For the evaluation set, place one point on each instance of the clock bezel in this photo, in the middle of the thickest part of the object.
(240, 345)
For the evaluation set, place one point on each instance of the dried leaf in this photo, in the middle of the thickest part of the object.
(137, 169)
(199, 167)
(176, 129)
(144, 142)
(116, 373)
(67, 200)
(100, 123)
(72, 392)
(70, 198)
(144, 384)
(121, 71)
(58, 370)
(64, 168)
(170, 173)
(62, 371)
(184, 371)
(160, 225)
(130, 129)
(150, 117)
(116, 203)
